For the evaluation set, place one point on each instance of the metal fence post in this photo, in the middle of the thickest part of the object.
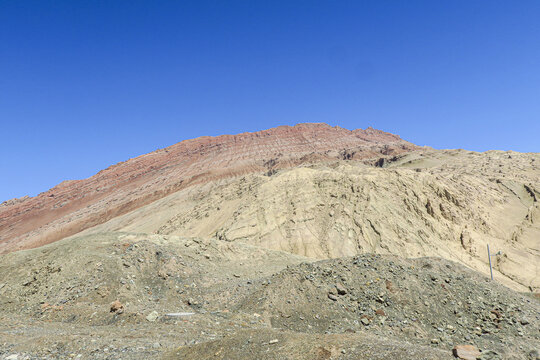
(490, 268)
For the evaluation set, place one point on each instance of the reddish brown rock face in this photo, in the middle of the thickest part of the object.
(73, 206)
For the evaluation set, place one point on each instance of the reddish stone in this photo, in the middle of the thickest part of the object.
(117, 307)
(466, 352)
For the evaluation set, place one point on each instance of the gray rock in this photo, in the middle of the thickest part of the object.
(192, 302)
(341, 290)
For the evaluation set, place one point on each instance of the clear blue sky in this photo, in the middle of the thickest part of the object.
(86, 84)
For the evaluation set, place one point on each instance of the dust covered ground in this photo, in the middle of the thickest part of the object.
(122, 295)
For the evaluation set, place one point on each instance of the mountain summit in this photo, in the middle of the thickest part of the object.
(76, 205)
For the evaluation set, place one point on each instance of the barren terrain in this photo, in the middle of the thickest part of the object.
(75, 205)
(305, 242)
(448, 203)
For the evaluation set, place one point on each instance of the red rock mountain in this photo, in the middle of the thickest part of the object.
(75, 205)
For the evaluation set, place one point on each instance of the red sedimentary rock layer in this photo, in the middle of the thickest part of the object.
(73, 206)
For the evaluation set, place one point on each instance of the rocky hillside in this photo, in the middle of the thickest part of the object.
(425, 203)
(311, 190)
(304, 242)
(73, 206)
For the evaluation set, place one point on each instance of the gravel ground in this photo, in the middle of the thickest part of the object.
(134, 296)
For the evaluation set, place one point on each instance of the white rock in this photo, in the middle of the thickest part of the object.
(152, 316)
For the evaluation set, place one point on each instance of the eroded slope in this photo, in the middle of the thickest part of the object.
(427, 203)
(73, 206)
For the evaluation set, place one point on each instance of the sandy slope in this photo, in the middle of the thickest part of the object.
(427, 203)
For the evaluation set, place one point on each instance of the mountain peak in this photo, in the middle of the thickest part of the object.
(73, 206)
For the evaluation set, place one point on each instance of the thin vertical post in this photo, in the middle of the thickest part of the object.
(490, 268)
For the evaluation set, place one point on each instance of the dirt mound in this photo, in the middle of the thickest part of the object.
(77, 279)
(425, 301)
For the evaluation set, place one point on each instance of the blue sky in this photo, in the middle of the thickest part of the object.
(85, 85)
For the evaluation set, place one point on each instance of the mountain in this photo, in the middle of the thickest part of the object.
(303, 242)
(312, 190)
(73, 206)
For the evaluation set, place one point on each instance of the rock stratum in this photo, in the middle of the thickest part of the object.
(75, 205)
(304, 242)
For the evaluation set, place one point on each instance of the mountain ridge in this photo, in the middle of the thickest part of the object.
(75, 205)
